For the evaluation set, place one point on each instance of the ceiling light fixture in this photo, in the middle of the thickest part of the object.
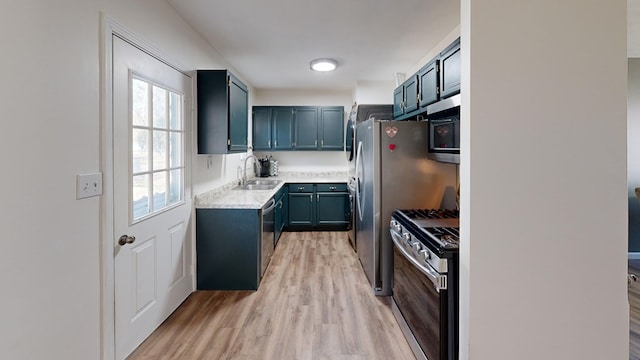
(323, 65)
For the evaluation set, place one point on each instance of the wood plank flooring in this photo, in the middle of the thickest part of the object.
(634, 312)
(314, 302)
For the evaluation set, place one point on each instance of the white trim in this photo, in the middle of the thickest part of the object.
(107, 327)
(634, 255)
(108, 28)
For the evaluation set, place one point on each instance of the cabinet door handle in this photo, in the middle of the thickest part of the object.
(322, 143)
(318, 197)
(332, 187)
(315, 142)
(269, 143)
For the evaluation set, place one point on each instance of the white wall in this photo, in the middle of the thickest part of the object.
(306, 160)
(633, 152)
(49, 263)
(374, 92)
(543, 177)
(431, 53)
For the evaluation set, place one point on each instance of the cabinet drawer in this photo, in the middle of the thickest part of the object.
(331, 187)
(297, 188)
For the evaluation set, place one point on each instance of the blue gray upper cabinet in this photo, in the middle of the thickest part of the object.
(428, 81)
(305, 120)
(261, 128)
(223, 112)
(298, 128)
(450, 70)
(398, 101)
(410, 94)
(282, 136)
(331, 128)
(405, 98)
(438, 79)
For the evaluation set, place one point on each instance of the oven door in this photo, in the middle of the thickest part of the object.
(423, 308)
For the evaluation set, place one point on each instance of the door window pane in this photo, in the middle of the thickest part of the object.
(140, 204)
(175, 186)
(157, 138)
(160, 190)
(159, 150)
(175, 112)
(159, 107)
(175, 149)
(140, 102)
(140, 150)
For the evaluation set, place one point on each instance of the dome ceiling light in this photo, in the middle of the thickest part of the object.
(324, 64)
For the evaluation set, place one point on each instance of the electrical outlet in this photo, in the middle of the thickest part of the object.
(88, 185)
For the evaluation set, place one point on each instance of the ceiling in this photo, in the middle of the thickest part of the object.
(271, 42)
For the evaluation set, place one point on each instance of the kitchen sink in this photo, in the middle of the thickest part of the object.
(258, 185)
(263, 182)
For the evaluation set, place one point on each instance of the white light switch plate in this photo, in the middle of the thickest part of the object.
(88, 185)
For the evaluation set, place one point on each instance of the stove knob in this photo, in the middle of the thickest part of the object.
(425, 254)
(393, 223)
(416, 246)
(398, 228)
(406, 237)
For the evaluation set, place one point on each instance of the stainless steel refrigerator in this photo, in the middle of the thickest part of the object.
(392, 172)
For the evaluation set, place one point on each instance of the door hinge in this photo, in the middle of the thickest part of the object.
(229, 82)
(228, 142)
(437, 67)
(437, 90)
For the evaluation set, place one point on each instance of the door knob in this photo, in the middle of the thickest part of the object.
(631, 278)
(126, 239)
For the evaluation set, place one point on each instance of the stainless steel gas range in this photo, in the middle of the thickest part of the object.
(425, 280)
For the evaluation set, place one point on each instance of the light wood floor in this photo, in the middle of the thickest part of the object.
(634, 312)
(314, 302)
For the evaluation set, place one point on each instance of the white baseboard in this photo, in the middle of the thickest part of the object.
(634, 255)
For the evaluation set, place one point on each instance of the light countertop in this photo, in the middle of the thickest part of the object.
(225, 197)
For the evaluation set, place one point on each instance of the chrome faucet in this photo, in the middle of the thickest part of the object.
(244, 174)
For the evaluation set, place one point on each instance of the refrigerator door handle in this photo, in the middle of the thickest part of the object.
(358, 180)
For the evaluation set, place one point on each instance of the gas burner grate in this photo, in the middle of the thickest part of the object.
(431, 213)
(438, 225)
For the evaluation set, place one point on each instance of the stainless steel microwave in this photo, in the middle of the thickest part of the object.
(444, 130)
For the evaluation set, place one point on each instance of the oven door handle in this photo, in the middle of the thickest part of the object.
(439, 281)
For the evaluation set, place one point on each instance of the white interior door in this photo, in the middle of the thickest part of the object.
(152, 195)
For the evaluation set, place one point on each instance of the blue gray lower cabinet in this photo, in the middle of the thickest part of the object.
(228, 249)
(318, 207)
